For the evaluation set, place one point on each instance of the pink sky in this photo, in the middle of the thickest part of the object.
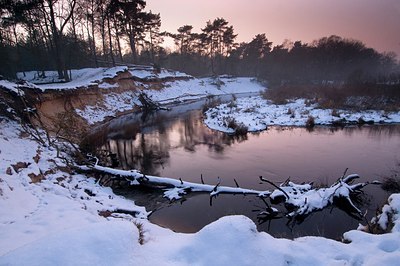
(375, 22)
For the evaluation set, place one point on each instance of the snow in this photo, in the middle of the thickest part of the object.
(197, 88)
(86, 77)
(172, 91)
(31, 211)
(257, 114)
(113, 103)
(80, 78)
(303, 199)
(56, 221)
(176, 87)
(11, 86)
(389, 210)
(147, 72)
(179, 187)
(80, 246)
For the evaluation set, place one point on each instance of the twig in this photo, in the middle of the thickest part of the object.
(269, 182)
(237, 185)
(344, 174)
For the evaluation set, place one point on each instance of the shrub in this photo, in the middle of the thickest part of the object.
(310, 123)
(291, 112)
(230, 122)
(240, 128)
(391, 184)
(336, 96)
(211, 103)
(335, 113)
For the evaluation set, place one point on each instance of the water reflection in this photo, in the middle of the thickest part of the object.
(176, 144)
(145, 144)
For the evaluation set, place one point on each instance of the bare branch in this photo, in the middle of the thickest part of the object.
(275, 186)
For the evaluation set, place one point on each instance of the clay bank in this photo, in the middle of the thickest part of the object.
(98, 94)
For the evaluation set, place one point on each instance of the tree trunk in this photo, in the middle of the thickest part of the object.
(103, 38)
(60, 64)
(110, 40)
(132, 43)
(152, 47)
(93, 43)
(118, 41)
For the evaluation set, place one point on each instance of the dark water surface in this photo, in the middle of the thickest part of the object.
(176, 144)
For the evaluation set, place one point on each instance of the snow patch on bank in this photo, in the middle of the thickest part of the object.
(80, 78)
(56, 221)
(257, 113)
(14, 87)
(113, 103)
(86, 77)
(148, 72)
(174, 87)
(172, 91)
(31, 211)
(177, 91)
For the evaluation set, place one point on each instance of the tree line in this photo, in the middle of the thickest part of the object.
(65, 34)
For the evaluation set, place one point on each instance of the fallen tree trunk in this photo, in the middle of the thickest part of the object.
(299, 199)
(304, 199)
(174, 189)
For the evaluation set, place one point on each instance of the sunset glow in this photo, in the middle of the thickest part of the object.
(376, 23)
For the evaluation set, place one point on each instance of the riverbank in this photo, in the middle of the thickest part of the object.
(68, 218)
(98, 94)
(256, 113)
(50, 214)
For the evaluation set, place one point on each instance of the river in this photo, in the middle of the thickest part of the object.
(177, 144)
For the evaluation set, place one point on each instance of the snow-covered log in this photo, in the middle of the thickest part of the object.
(174, 189)
(299, 199)
(305, 199)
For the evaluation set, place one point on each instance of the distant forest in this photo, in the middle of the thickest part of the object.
(67, 34)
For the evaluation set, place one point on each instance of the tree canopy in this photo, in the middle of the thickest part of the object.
(64, 34)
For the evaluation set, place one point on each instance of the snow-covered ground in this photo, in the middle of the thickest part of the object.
(80, 78)
(175, 87)
(85, 77)
(12, 86)
(172, 91)
(147, 72)
(57, 221)
(257, 113)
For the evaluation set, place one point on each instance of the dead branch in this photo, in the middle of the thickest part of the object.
(174, 188)
(275, 186)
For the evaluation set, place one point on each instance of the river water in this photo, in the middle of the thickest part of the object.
(177, 144)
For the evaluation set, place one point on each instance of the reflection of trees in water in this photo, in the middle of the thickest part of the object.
(146, 152)
(145, 145)
(143, 142)
(193, 133)
(373, 131)
(370, 130)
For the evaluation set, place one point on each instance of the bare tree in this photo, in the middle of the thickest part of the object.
(59, 13)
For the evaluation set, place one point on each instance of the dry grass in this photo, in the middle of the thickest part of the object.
(392, 182)
(240, 128)
(359, 97)
(211, 103)
(310, 123)
(140, 228)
